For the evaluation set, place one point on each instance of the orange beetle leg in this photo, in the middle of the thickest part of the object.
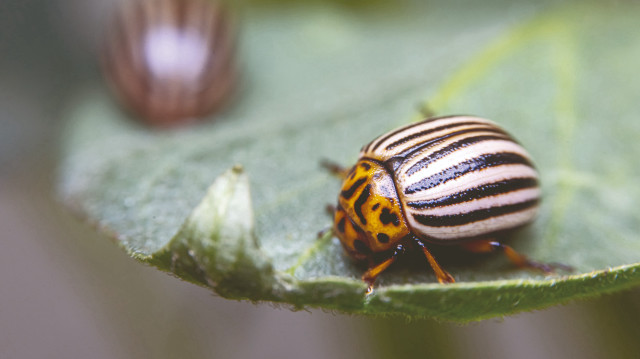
(370, 276)
(442, 275)
(520, 260)
(335, 169)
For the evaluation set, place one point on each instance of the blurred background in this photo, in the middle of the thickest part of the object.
(67, 292)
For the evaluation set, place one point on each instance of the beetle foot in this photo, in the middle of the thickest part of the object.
(547, 268)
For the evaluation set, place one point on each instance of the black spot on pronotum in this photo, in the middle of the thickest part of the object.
(341, 224)
(352, 173)
(351, 190)
(366, 166)
(362, 199)
(360, 246)
(375, 206)
(387, 217)
(383, 238)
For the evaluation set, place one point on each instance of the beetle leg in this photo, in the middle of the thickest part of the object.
(520, 260)
(425, 110)
(330, 209)
(370, 276)
(324, 232)
(442, 275)
(335, 169)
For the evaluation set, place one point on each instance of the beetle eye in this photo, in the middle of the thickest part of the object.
(360, 246)
(383, 238)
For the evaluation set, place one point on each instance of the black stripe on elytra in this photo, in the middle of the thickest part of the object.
(475, 164)
(485, 190)
(357, 207)
(429, 131)
(417, 148)
(459, 219)
(380, 140)
(346, 194)
(445, 151)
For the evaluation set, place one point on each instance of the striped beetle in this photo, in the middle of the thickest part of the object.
(446, 180)
(171, 60)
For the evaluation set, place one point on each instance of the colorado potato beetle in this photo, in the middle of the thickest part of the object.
(171, 61)
(446, 180)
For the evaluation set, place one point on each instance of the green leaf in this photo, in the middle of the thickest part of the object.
(319, 82)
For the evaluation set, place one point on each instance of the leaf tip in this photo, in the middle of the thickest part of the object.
(237, 169)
